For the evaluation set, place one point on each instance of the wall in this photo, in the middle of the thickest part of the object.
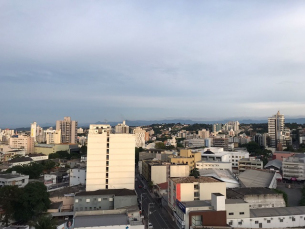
(96, 202)
(265, 201)
(158, 174)
(68, 202)
(124, 201)
(186, 192)
(77, 176)
(213, 165)
(210, 218)
(179, 171)
(206, 189)
(236, 209)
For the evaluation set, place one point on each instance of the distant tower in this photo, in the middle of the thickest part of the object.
(68, 130)
(34, 130)
(276, 126)
(122, 128)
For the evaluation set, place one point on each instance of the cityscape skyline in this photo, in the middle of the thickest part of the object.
(150, 61)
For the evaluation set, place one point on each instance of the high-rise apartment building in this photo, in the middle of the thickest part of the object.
(139, 137)
(34, 130)
(276, 126)
(68, 130)
(53, 136)
(22, 142)
(110, 159)
(122, 128)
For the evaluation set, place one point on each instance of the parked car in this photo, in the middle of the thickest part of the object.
(140, 186)
(150, 226)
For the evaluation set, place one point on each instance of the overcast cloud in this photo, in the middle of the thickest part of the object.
(114, 60)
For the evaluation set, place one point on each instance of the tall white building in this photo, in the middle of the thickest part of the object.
(139, 137)
(53, 136)
(68, 130)
(276, 126)
(110, 159)
(34, 130)
(122, 128)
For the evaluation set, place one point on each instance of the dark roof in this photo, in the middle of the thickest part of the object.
(116, 192)
(239, 193)
(36, 154)
(67, 190)
(20, 159)
(208, 152)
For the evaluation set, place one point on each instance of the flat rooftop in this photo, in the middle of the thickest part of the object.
(116, 192)
(271, 212)
(12, 176)
(239, 193)
(235, 201)
(100, 220)
(197, 203)
(200, 179)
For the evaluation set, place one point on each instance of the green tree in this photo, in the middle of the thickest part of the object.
(253, 147)
(195, 173)
(33, 201)
(48, 165)
(8, 198)
(33, 170)
(160, 145)
(44, 222)
(150, 185)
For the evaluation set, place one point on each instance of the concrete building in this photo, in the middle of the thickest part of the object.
(122, 128)
(78, 176)
(53, 136)
(186, 157)
(249, 163)
(257, 197)
(222, 142)
(280, 155)
(201, 165)
(191, 188)
(294, 167)
(255, 178)
(204, 133)
(14, 179)
(68, 130)
(194, 142)
(276, 126)
(107, 199)
(22, 142)
(225, 176)
(110, 159)
(38, 157)
(286, 217)
(34, 130)
(20, 161)
(139, 137)
(53, 148)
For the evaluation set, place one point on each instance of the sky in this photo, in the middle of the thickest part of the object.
(150, 60)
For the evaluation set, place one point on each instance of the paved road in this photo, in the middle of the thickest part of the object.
(159, 217)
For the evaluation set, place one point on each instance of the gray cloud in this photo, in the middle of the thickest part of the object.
(99, 60)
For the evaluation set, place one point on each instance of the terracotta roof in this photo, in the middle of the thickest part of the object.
(163, 185)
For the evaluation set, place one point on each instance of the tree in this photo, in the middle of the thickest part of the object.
(160, 145)
(150, 185)
(8, 198)
(44, 222)
(195, 173)
(33, 169)
(253, 147)
(33, 201)
(48, 165)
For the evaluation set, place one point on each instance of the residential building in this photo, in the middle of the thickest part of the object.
(255, 178)
(139, 137)
(53, 136)
(294, 167)
(78, 176)
(249, 163)
(80, 130)
(204, 133)
(68, 130)
(201, 165)
(277, 132)
(186, 157)
(222, 142)
(14, 178)
(20, 161)
(106, 199)
(191, 188)
(122, 128)
(194, 142)
(34, 130)
(53, 148)
(280, 155)
(110, 159)
(22, 142)
(217, 127)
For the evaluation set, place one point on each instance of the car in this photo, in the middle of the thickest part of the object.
(140, 186)
(145, 187)
(150, 226)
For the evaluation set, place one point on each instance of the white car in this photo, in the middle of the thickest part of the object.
(150, 226)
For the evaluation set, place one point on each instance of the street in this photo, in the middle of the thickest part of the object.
(159, 217)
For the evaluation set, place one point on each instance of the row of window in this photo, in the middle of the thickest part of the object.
(232, 213)
(95, 199)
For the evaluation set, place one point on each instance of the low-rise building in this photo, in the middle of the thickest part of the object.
(78, 176)
(106, 199)
(20, 161)
(280, 155)
(38, 157)
(186, 157)
(14, 179)
(255, 178)
(200, 165)
(274, 165)
(294, 167)
(249, 163)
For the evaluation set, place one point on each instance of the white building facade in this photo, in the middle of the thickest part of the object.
(110, 159)
(77, 176)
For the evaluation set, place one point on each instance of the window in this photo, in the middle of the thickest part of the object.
(231, 213)
(80, 200)
(76, 209)
(293, 219)
(268, 221)
(87, 200)
(241, 213)
(90, 208)
(76, 201)
(105, 198)
(85, 208)
(281, 220)
(256, 222)
(99, 199)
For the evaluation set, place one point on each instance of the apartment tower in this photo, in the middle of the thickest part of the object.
(110, 159)
(276, 126)
(68, 130)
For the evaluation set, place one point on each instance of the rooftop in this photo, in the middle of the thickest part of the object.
(67, 191)
(36, 154)
(275, 163)
(197, 203)
(100, 220)
(255, 178)
(200, 179)
(20, 159)
(223, 175)
(235, 201)
(284, 211)
(56, 205)
(116, 192)
(11, 176)
(163, 185)
(239, 193)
